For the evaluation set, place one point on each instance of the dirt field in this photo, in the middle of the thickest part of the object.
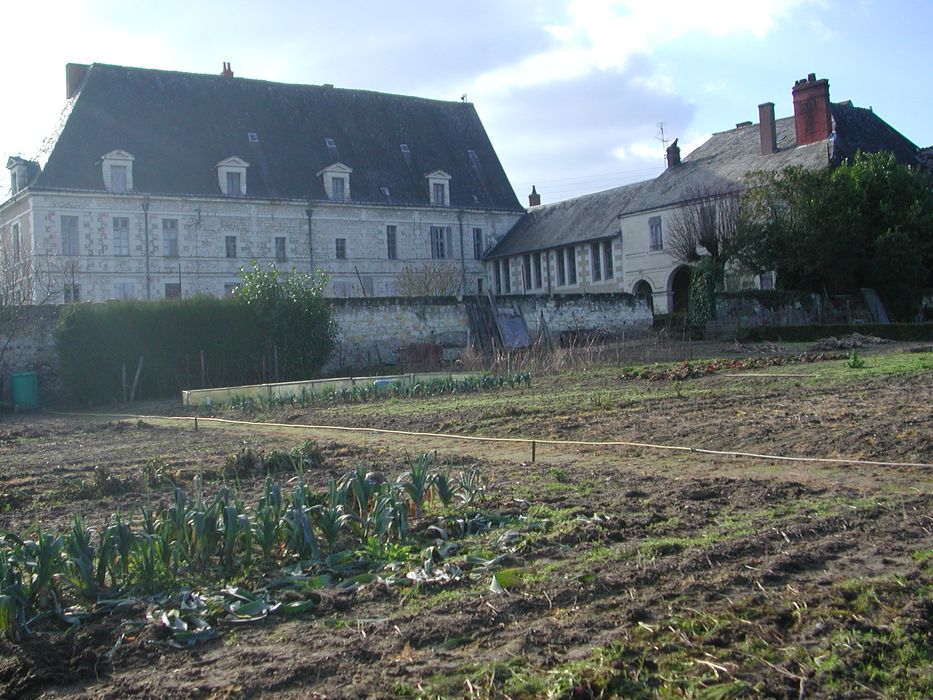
(625, 572)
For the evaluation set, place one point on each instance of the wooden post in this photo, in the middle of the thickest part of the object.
(139, 368)
(533, 450)
(195, 424)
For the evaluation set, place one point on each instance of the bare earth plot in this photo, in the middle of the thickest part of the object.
(623, 572)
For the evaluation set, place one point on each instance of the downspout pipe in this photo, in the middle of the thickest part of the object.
(462, 254)
(146, 239)
(309, 210)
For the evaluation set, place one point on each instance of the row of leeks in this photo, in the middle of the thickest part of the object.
(195, 541)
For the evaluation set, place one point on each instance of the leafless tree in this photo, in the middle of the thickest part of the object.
(706, 224)
(430, 279)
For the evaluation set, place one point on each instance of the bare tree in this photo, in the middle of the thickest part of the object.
(430, 279)
(706, 224)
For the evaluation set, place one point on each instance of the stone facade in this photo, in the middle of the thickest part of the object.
(198, 245)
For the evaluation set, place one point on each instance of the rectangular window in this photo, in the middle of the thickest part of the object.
(123, 290)
(561, 277)
(69, 235)
(596, 258)
(440, 194)
(71, 293)
(391, 242)
(477, 244)
(15, 235)
(497, 275)
(607, 260)
(654, 233)
(118, 178)
(341, 248)
(526, 270)
(170, 237)
(479, 285)
(338, 187)
(537, 271)
(571, 265)
(506, 277)
(280, 248)
(230, 245)
(173, 290)
(233, 184)
(121, 235)
(439, 242)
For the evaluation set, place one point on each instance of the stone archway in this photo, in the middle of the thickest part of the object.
(642, 290)
(679, 287)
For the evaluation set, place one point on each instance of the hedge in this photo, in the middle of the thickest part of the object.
(796, 334)
(95, 342)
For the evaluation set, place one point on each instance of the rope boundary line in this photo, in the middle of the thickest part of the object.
(483, 438)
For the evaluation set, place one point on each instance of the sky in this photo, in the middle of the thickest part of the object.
(573, 93)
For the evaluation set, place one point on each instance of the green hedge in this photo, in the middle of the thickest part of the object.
(94, 342)
(799, 334)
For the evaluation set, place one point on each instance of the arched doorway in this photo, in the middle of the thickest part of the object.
(642, 290)
(680, 289)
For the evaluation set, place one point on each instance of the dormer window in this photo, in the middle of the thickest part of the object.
(117, 171)
(337, 181)
(439, 188)
(231, 176)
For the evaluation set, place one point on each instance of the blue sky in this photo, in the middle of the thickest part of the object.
(571, 91)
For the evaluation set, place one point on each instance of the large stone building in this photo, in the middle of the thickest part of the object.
(615, 241)
(164, 184)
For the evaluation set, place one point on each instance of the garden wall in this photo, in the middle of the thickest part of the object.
(28, 335)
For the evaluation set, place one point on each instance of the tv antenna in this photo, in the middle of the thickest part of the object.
(661, 137)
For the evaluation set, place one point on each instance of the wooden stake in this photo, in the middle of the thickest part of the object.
(533, 450)
(195, 424)
(139, 368)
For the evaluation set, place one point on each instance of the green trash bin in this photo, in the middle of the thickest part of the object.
(25, 389)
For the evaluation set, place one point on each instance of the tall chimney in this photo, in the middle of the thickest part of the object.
(766, 128)
(812, 119)
(227, 72)
(534, 199)
(74, 74)
(673, 154)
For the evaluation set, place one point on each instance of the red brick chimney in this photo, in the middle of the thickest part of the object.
(766, 128)
(812, 119)
(227, 72)
(673, 154)
(534, 199)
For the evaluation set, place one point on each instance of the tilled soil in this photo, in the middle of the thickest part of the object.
(740, 577)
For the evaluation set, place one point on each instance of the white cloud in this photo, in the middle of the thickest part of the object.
(606, 34)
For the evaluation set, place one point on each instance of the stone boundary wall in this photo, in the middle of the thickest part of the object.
(373, 331)
(377, 331)
(28, 334)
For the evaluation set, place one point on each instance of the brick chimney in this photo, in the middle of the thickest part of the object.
(74, 74)
(673, 154)
(534, 199)
(227, 72)
(766, 128)
(812, 119)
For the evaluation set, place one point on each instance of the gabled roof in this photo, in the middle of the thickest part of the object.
(586, 218)
(179, 125)
(720, 164)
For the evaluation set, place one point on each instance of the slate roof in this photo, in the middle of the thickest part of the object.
(721, 163)
(178, 126)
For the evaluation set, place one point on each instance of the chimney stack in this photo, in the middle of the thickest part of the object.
(766, 128)
(74, 74)
(673, 154)
(813, 121)
(227, 72)
(534, 199)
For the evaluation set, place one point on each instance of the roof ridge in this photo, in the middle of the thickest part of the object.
(260, 81)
